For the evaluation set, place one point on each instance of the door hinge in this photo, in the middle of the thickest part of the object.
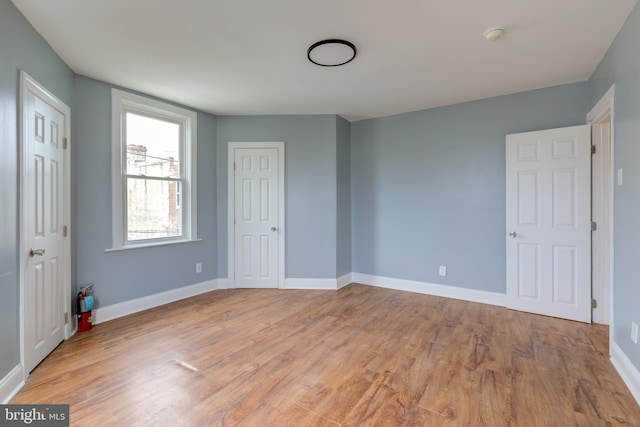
(594, 303)
(66, 318)
(594, 226)
(593, 149)
(64, 231)
(64, 143)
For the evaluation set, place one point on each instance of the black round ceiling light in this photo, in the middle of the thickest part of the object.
(331, 52)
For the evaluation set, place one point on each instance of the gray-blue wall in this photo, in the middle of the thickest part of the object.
(343, 169)
(310, 187)
(621, 66)
(21, 48)
(428, 188)
(124, 275)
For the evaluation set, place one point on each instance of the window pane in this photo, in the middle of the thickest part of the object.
(153, 209)
(153, 146)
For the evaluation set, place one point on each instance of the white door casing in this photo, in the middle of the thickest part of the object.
(44, 243)
(256, 237)
(548, 188)
(601, 120)
(600, 213)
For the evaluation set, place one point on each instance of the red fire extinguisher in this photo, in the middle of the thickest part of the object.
(84, 315)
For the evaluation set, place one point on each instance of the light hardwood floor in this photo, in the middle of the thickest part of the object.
(360, 356)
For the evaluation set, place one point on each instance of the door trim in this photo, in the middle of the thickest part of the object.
(232, 146)
(603, 108)
(28, 84)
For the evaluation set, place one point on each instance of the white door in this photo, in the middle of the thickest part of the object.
(257, 217)
(43, 241)
(549, 222)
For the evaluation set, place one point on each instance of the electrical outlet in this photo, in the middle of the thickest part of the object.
(199, 267)
(634, 332)
(442, 271)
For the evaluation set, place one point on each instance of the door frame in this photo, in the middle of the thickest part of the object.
(231, 206)
(28, 84)
(603, 108)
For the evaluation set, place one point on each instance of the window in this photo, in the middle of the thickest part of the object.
(154, 172)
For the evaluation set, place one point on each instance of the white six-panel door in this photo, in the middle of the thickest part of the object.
(257, 217)
(549, 222)
(45, 287)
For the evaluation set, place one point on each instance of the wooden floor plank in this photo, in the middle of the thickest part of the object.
(360, 356)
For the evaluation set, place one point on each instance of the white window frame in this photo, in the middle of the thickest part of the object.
(125, 102)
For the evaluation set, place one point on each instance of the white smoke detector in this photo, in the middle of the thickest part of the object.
(493, 34)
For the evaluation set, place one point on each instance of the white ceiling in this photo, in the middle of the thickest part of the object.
(249, 56)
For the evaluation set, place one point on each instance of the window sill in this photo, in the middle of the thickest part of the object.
(152, 244)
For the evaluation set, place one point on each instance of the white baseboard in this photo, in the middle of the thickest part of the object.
(343, 281)
(71, 327)
(301, 283)
(224, 283)
(454, 292)
(327, 284)
(110, 312)
(115, 311)
(11, 384)
(630, 375)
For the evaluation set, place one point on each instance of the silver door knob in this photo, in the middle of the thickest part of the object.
(512, 234)
(34, 252)
(274, 228)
